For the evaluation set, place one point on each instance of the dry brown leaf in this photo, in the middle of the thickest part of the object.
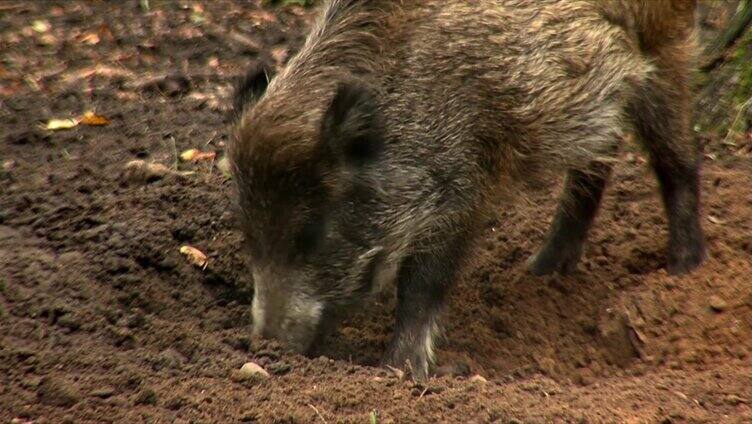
(90, 38)
(91, 118)
(715, 220)
(188, 155)
(47, 40)
(202, 156)
(195, 155)
(259, 16)
(195, 256)
(40, 26)
(61, 124)
(97, 70)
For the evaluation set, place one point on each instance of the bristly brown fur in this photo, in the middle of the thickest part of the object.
(466, 101)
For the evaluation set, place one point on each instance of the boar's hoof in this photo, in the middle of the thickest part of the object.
(684, 259)
(548, 261)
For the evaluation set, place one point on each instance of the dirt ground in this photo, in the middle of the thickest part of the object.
(103, 320)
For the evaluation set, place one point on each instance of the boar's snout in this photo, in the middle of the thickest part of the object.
(292, 319)
(286, 307)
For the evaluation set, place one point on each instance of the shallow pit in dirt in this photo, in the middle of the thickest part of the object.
(103, 319)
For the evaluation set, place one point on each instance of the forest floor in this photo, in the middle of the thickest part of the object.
(102, 319)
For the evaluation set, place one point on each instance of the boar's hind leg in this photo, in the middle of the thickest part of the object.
(577, 208)
(423, 281)
(661, 115)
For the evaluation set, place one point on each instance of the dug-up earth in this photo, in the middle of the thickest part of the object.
(103, 319)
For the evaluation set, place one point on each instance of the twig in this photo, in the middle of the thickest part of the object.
(248, 44)
(317, 413)
(5, 7)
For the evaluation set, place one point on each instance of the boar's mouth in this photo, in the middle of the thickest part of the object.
(302, 322)
(365, 273)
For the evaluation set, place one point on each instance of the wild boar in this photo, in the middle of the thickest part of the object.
(376, 155)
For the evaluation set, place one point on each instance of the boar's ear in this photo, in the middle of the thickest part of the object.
(351, 128)
(250, 88)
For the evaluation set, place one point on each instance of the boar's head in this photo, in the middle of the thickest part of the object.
(306, 167)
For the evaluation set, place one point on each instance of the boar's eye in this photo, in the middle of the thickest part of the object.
(309, 237)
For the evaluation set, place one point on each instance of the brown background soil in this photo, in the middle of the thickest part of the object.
(102, 319)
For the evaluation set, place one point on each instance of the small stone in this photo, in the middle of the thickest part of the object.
(734, 400)
(718, 304)
(103, 392)
(250, 371)
(57, 392)
(139, 171)
(477, 378)
(396, 372)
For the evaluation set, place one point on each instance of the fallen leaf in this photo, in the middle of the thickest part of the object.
(205, 156)
(195, 155)
(61, 124)
(47, 40)
(40, 26)
(90, 118)
(715, 220)
(90, 38)
(259, 16)
(188, 155)
(195, 256)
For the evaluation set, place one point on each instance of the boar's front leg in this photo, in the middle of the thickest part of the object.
(423, 281)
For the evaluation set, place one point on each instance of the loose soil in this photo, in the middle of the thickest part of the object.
(102, 319)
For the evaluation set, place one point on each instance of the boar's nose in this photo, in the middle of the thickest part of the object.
(293, 320)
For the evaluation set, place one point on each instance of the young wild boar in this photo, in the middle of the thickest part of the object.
(378, 152)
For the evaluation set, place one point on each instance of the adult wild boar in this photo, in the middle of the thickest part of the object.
(379, 151)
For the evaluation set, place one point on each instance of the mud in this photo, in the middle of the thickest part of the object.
(102, 319)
